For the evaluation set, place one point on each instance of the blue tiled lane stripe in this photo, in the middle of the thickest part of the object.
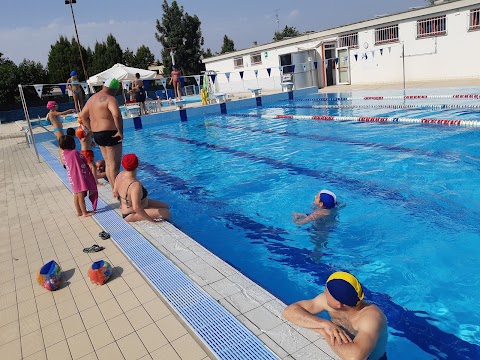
(412, 325)
(219, 329)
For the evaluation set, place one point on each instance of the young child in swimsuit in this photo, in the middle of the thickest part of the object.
(74, 85)
(80, 176)
(86, 144)
(53, 117)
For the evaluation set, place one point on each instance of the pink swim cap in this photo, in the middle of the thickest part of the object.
(51, 104)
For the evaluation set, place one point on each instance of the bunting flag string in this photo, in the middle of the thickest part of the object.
(241, 75)
(227, 75)
(85, 88)
(315, 64)
(63, 88)
(293, 68)
(269, 70)
(197, 79)
(256, 73)
(356, 57)
(381, 51)
(304, 65)
(213, 77)
(38, 89)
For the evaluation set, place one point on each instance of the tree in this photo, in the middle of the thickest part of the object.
(286, 33)
(8, 81)
(128, 57)
(207, 54)
(228, 45)
(63, 58)
(106, 54)
(181, 33)
(31, 72)
(143, 57)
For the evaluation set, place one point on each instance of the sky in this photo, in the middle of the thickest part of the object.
(29, 27)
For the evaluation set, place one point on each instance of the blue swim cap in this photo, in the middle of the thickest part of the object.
(328, 199)
(73, 73)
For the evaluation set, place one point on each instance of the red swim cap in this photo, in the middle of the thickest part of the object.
(130, 162)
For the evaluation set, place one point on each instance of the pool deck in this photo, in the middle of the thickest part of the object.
(126, 318)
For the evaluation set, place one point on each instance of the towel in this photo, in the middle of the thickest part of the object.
(80, 175)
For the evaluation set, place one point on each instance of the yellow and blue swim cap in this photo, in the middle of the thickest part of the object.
(345, 288)
(112, 83)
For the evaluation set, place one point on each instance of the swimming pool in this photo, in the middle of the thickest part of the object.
(407, 226)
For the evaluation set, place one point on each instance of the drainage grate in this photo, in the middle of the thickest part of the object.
(219, 329)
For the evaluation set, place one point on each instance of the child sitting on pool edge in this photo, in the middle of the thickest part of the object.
(325, 200)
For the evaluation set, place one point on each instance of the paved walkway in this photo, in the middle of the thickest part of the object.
(124, 319)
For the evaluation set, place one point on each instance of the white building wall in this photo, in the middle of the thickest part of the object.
(446, 57)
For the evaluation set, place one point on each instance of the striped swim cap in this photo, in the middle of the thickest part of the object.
(112, 83)
(345, 288)
(328, 199)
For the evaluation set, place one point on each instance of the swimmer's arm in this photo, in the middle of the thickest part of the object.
(302, 313)
(369, 330)
(300, 220)
(136, 196)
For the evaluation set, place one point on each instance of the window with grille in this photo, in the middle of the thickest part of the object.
(256, 59)
(474, 20)
(238, 62)
(386, 34)
(432, 27)
(349, 40)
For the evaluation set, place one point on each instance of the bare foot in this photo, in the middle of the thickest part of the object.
(79, 214)
(88, 213)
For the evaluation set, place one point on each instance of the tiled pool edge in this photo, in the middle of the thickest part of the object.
(243, 298)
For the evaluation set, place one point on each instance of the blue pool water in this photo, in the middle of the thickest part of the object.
(407, 226)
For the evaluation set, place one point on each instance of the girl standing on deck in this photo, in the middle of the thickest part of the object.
(74, 85)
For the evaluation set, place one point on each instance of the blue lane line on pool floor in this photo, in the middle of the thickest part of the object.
(401, 149)
(208, 318)
(416, 206)
(413, 325)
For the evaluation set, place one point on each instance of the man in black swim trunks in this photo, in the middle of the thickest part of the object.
(102, 115)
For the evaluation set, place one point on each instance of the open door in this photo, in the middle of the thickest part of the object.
(343, 66)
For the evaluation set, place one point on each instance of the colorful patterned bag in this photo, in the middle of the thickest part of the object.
(100, 272)
(50, 275)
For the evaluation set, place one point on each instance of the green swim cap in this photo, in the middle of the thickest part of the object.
(112, 83)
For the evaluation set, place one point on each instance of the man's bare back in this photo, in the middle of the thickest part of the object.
(103, 110)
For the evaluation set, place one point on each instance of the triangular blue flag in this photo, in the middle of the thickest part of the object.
(293, 68)
(381, 51)
(315, 63)
(241, 74)
(146, 83)
(256, 73)
(213, 77)
(269, 70)
(227, 75)
(366, 56)
(336, 61)
(356, 57)
(63, 87)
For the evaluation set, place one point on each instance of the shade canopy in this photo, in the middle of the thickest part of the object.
(121, 73)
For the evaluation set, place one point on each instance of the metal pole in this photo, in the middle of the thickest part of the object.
(403, 64)
(78, 41)
(27, 117)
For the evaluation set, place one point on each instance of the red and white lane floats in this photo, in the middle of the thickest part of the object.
(397, 97)
(387, 106)
(465, 123)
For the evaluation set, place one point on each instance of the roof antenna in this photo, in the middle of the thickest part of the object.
(278, 21)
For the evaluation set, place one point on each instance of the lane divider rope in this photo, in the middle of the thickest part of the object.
(453, 122)
(397, 97)
(380, 106)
